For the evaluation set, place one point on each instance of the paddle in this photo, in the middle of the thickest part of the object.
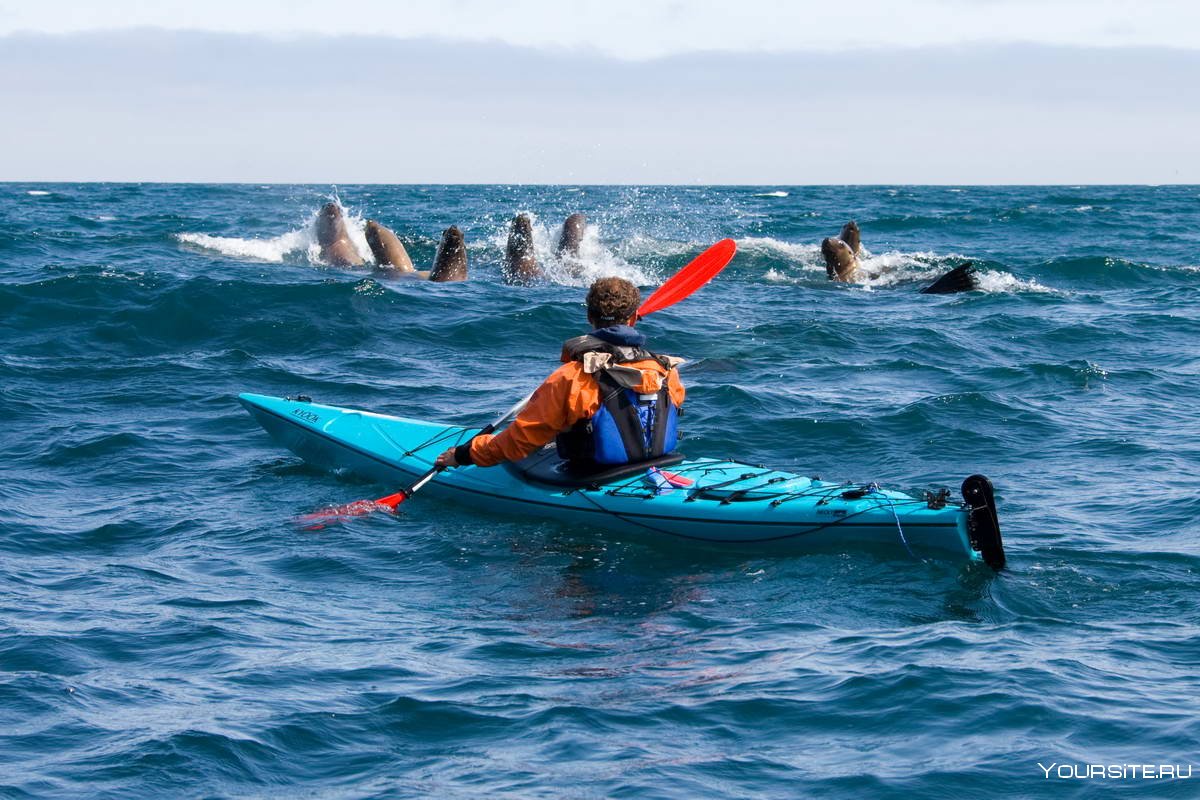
(318, 519)
(699, 271)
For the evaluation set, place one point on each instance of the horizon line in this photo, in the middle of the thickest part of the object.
(782, 185)
(590, 51)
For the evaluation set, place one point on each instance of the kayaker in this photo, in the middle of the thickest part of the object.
(612, 401)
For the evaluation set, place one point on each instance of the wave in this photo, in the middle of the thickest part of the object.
(896, 268)
(1109, 271)
(799, 254)
(772, 194)
(273, 250)
(789, 262)
(300, 242)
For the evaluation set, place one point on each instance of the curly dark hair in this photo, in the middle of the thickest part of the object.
(612, 301)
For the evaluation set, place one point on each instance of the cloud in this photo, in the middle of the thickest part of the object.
(640, 29)
(157, 105)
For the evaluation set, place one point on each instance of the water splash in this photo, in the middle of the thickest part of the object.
(301, 242)
(595, 259)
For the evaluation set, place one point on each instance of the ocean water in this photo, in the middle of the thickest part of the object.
(166, 630)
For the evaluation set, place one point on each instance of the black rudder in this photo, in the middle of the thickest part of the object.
(983, 525)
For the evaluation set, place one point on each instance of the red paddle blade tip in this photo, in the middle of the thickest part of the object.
(319, 519)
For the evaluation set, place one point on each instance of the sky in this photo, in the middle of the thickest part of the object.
(527, 91)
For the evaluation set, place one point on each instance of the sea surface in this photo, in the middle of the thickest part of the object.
(167, 630)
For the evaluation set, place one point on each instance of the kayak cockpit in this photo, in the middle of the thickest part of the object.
(547, 467)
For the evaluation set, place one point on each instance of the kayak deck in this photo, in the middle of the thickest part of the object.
(726, 501)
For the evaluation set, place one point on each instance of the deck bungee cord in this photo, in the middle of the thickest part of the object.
(813, 530)
(635, 487)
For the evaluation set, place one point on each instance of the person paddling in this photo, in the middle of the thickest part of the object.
(612, 401)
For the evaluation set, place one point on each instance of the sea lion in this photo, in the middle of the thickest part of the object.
(573, 230)
(840, 261)
(520, 263)
(336, 247)
(450, 263)
(841, 264)
(386, 248)
(851, 236)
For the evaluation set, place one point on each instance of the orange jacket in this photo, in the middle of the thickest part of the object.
(567, 396)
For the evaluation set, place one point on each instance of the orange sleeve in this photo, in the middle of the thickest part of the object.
(563, 399)
(675, 388)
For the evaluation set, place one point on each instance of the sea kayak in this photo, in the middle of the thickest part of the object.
(704, 499)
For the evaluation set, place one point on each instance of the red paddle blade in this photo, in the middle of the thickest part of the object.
(698, 272)
(326, 516)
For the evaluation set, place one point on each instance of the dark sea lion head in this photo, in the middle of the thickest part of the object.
(851, 236)
(450, 263)
(520, 262)
(520, 232)
(452, 239)
(573, 230)
(829, 250)
(372, 233)
(840, 263)
(330, 223)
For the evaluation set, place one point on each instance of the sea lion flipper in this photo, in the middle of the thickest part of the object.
(960, 279)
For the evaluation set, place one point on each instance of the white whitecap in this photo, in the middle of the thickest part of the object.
(800, 255)
(595, 259)
(892, 268)
(999, 282)
(276, 248)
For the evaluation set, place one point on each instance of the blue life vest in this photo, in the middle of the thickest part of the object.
(629, 426)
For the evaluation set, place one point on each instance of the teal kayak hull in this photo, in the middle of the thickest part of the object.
(726, 502)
